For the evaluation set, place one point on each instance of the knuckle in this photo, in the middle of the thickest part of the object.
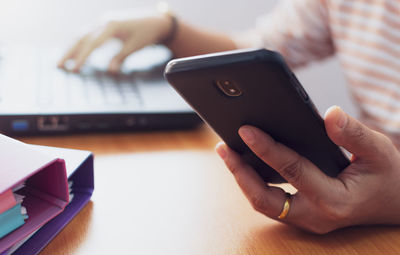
(336, 211)
(359, 133)
(233, 168)
(381, 146)
(388, 146)
(258, 203)
(293, 170)
(338, 214)
(263, 153)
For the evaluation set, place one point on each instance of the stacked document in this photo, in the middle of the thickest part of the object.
(12, 213)
(41, 190)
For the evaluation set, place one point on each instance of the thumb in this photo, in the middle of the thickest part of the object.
(351, 134)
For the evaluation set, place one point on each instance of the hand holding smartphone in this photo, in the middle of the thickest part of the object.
(255, 87)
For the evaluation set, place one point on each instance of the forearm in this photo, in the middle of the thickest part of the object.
(189, 40)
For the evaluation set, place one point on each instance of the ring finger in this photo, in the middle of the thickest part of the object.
(269, 200)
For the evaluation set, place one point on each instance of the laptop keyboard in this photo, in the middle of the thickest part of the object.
(46, 86)
(93, 89)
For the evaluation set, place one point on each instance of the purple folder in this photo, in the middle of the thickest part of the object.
(45, 185)
(79, 166)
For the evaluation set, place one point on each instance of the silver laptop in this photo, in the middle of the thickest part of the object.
(37, 98)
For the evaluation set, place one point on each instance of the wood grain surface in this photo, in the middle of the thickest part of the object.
(169, 193)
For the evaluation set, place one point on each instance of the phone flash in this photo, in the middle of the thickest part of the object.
(229, 88)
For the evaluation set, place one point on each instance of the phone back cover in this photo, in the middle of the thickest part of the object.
(270, 101)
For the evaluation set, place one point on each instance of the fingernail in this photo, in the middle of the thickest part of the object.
(247, 135)
(221, 151)
(330, 109)
(341, 120)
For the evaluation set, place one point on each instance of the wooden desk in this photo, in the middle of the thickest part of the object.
(169, 193)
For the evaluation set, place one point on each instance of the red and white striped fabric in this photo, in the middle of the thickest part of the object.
(364, 34)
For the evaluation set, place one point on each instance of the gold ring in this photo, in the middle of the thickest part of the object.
(286, 206)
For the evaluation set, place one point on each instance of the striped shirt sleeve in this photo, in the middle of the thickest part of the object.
(298, 29)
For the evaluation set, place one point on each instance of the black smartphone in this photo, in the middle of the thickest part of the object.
(255, 87)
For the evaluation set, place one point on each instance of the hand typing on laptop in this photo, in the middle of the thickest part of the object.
(55, 101)
(134, 33)
(142, 29)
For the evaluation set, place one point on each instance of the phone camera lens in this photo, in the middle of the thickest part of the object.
(229, 88)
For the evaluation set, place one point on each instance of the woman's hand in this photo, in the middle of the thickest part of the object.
(366, 192)
(135, 33)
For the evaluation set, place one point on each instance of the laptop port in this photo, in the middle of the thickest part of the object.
(20, 125)
(52, 123)
(63, 121)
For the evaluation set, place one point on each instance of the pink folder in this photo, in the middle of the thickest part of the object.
(46, 187)
(80, 172)
(7, 200)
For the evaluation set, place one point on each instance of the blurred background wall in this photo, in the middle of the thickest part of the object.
(61, 21)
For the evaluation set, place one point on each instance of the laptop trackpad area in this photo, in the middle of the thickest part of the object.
(158, 95)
